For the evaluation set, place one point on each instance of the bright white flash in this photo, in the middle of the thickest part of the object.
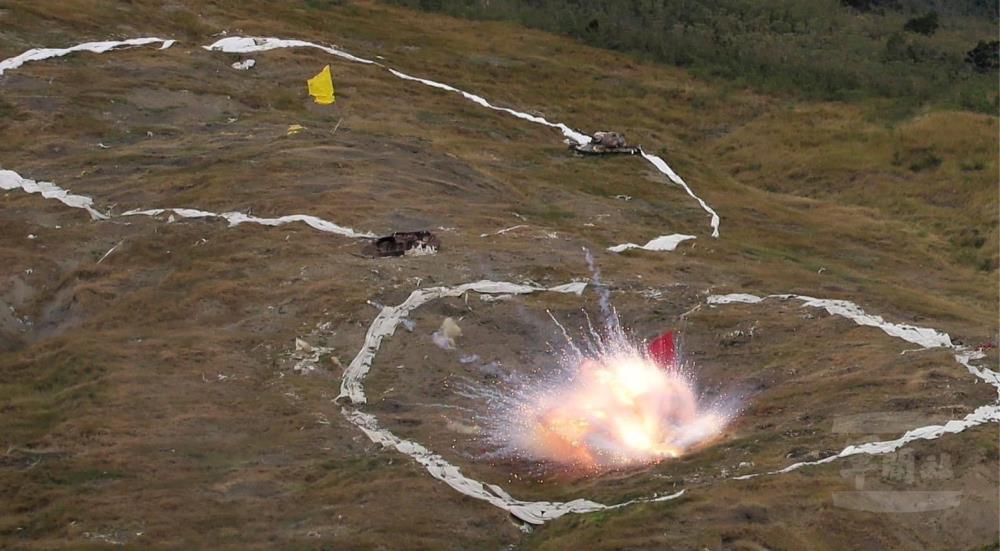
(612, 407)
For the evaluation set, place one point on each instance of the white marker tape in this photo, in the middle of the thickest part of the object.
(534, 512)
(244, 65)
(39, 54)
(734, 298)
(921, 336)
(389, 318)
(574, 135)
(924, 337)
(237, 218)
(245, 45)
(236, 44)
(11, 180)
(664, 168)
(662, 243)
(983, 414)
(505, 230)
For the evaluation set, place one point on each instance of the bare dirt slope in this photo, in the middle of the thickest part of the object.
(149, 396)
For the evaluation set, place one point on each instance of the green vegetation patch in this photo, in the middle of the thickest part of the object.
(917, 52)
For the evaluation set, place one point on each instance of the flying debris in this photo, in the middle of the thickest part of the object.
(607, 402)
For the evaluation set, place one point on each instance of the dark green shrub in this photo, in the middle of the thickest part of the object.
(925, 25)
(815, 49)
(985, 57)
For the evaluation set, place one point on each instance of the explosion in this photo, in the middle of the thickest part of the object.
(617, 405)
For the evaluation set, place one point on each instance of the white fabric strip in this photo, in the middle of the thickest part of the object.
(921, 336)
(39, 54)
(662, 243)
(10, 180)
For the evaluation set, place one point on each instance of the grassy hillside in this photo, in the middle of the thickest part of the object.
(821, 49)
(879, 143)
(152, 401)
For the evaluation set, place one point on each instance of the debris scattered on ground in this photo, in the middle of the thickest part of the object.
(505, 230)
(689, 312)
(111, 250)
(321, 87)
(294, 129)
(421, 250)
(738, 336)
(446, 335)
(413, 243)
(303, 346)
(307, 357)
(244, 65)
(602, 143)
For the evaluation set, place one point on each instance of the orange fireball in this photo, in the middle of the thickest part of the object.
(617, 409)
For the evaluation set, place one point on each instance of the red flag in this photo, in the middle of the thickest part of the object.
(663, 351)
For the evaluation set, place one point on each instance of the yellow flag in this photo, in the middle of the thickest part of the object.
(321, 87)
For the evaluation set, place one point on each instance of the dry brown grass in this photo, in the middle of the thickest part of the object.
(112, 406)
